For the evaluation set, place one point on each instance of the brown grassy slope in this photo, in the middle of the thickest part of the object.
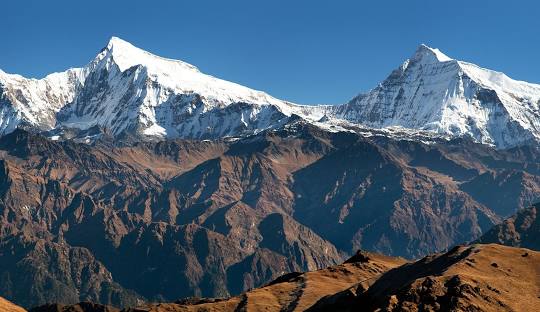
(474, 278)
(7, 306)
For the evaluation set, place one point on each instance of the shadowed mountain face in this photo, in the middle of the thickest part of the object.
(160, 221)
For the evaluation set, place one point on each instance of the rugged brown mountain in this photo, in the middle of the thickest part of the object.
(164, 225)
(38, 271)
(520, 230)
(159, 221)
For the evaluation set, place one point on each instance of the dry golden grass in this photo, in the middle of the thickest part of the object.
(509, 278)
(7, 306)
(468, 278)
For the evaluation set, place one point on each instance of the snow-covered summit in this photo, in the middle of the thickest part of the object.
(126, 55)
(429, 55)
(432, 92)
(181, 76)
(127, 90)
(33, 103)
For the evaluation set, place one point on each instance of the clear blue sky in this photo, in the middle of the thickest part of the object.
(306, 51)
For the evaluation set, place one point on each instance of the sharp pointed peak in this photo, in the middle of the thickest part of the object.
(429, 54)
(115, 39)
(116, 43)
(126, 55)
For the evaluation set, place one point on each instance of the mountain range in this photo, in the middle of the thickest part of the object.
(126, 91)
(140, 179)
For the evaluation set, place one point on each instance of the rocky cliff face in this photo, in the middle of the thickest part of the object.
(79, 220)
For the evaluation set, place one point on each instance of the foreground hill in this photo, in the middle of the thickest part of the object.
(466, 278)
(6, 306)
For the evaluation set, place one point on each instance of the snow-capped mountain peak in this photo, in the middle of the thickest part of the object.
(126, 55)
(432, 92)
(428, 55)
(180, 76)
(129, 90)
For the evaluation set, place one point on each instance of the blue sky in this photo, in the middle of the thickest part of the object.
(305, 51)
